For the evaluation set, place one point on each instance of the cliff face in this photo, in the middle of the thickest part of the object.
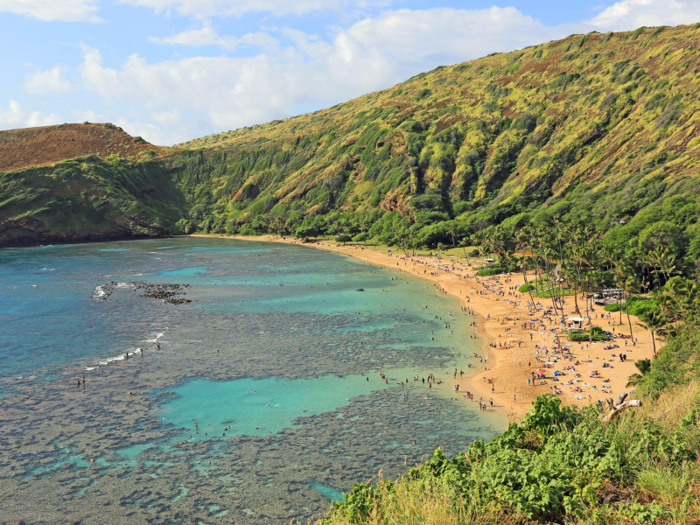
(599, 125)
(595, 128)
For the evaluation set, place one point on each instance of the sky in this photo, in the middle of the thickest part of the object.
(175, 70)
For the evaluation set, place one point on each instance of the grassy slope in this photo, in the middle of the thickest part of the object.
(595, 126)
(558, 465)
(87, 199)
(22, 148)
(81, 182)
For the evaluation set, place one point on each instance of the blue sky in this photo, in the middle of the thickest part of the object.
(173, 70)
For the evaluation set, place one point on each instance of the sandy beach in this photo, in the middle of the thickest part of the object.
(517, 342)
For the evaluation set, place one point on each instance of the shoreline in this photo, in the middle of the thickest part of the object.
(511, 365)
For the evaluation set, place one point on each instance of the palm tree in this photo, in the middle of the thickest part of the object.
(654, 321)
(662, 262)
(523, 241)
(680, 299)
(464, 243)
(643, 366)
(625, 277)
(451, 229)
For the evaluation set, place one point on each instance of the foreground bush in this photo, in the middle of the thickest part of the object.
(559, 465)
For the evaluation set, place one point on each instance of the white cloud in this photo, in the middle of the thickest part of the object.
(53, 10)
(412, 36)
(155, 133)
(18, 117)
(207, 36)
(182, 98)
(208, 8)
(50, 81)
(80, 115)
(220, 86)
(631, 14)
(372, 54)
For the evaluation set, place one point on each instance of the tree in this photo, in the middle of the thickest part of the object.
(464, 243)
(305, 232)
(523, 240)
(406, 237)
(661, 234)
(680, 300)
(185, 226)
(361, 237)
(662, 261)
(643, 365)
(626, 279)
(653, 321)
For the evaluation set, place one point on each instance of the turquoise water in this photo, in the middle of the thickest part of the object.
(334, 495)
(277, 360)
(256, 407)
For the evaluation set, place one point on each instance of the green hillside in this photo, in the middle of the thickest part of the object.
(87, 199)
(594, 128)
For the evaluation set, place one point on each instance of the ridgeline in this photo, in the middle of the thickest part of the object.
(594, 128)
(83, 182)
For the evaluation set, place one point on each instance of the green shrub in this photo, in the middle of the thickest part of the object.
(527, 287)
(248, 229)
(185, 226)
(640, 308)
(423, 93)
(596, 333)
(343, 238)
(549, 468)
(614, 307)
(148, 154)
(488, 272)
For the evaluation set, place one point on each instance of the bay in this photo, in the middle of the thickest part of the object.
(263, 401)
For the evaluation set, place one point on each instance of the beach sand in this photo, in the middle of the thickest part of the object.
(509, 365)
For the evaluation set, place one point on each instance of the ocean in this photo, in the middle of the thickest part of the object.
(207, 380)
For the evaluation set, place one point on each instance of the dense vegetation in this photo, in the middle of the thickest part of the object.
(562, 464)
(598, 128)
(88, 199)
(557, 465)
